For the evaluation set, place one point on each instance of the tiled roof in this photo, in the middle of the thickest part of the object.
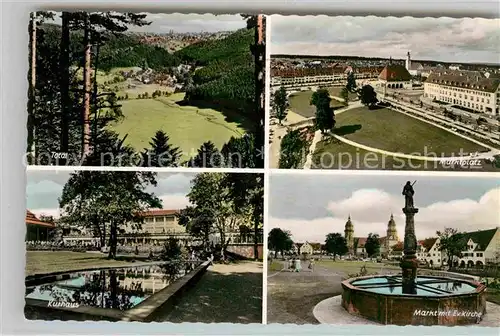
(482, 238)
(33, 220)
(428, 243)
(159, 212)
(395, 73)
(472, 80)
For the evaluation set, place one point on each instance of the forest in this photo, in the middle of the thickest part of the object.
(69, 114)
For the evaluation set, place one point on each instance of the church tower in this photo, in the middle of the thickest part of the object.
(408, 61)
(349, 235)
(392, 233)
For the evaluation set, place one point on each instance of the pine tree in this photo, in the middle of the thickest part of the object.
(161, 152)
(208, 157)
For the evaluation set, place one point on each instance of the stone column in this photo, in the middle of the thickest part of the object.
(409, 263)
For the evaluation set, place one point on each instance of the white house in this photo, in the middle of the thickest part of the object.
(306, 248)
(483, 247)
(467, 89)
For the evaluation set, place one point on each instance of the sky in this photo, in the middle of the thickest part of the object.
(45, 187)
(310, 206)
(474, 40)
(186, 23)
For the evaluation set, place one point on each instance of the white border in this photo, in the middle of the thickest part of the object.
(266, 166)
(13, 173)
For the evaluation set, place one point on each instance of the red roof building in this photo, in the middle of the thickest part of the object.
(36, 229)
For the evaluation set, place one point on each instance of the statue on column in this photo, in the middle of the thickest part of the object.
(408, 192)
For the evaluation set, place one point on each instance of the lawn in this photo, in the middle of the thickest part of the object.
(300, 103)
(334, 154)
(187, 126)
(335, 91)
(354, 267)
(42, 262)
(396, 132)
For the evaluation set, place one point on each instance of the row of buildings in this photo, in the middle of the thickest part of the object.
(482, 247)
(473, 91)
(158, 226)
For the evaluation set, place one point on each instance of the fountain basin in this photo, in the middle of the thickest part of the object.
(438, 300)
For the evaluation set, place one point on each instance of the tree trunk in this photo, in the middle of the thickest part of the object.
(66, 105)
(32, 94)
(113, 284)
(94, 96)
(112, 240)
(86, 88)
(255, 234)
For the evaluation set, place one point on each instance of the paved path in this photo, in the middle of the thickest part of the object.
(225, 294)
(291, 296)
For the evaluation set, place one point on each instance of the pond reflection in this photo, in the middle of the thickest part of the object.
(121, 288)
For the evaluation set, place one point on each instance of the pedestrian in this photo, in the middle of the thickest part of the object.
(311, 265)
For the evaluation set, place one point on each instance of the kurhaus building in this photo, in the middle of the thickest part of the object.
(36, 229)
(157, 226)
(468, 89)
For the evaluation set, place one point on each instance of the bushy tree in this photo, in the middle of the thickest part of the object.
(325, 119)
(292, 150)
(108, 199)
(241, 152)
(451, 243)
(336, 244)
(280, 104)
(368, 96)
(372, 245)
(279, 240)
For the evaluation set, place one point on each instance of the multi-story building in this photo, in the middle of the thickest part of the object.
(483, 247)
(316, 77)
(157, 226)
(467, 89)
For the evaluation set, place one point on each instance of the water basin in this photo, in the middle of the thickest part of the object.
(119, 288)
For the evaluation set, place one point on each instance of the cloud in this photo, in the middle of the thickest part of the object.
(370, 212)
(186, 23)
(174, 202)
(445, 39)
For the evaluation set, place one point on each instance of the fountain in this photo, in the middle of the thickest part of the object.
(409, 299)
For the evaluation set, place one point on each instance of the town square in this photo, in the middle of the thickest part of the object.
(372, 93)
(360, 241)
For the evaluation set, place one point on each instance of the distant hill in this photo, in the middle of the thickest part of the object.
(362, 58)
(173, 41)
(227, 73)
